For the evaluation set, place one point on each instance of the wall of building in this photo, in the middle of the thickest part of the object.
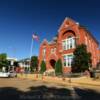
(68, 29)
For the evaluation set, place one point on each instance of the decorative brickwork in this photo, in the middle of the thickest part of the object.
(70, 34)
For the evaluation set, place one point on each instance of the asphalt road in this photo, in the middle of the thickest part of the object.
(24, 89)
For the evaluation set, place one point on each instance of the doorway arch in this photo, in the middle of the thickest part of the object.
(52, 63)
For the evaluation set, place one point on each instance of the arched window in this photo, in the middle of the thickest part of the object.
(69, 43)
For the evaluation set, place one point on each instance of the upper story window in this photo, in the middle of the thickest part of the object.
(64, 45)
(68, 43)
(44, 53)
(53, 50)
(86, 40)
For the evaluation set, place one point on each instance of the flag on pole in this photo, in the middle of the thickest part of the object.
(34, 36)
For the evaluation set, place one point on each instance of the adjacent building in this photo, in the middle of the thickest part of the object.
(70, 34)
(11, 60)
(24, 63)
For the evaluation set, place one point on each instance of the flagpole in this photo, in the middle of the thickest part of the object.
(31, 50)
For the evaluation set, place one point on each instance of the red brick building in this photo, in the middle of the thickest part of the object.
(62, 46)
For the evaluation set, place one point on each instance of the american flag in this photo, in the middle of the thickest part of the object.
(34, 36)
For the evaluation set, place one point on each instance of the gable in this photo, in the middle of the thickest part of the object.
(66, 23)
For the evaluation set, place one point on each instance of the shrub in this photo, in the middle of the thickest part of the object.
(43, 67)
(58, 67)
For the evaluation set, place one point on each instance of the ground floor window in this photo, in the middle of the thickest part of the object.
(67, 60)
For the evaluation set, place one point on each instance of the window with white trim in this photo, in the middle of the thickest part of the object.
(44, 53)
(68, 43)
(64, 45)
(86, 40)
(67, 60)
(53, 50)
(64, 59)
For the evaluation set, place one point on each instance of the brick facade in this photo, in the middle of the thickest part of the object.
(62, 46)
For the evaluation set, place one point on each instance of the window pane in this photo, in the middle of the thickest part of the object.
(64, 60)
(69, 43)
(44, 53)
(68, 60)
(64, 45)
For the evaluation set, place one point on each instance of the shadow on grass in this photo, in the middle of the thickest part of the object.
(47, 93)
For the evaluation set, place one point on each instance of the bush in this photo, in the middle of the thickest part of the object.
(43, 67)
(58, 67)
(34, 63)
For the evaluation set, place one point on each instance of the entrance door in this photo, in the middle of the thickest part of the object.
(52, 63)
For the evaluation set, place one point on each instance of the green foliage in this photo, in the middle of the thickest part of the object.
(34, 63)
(81, 60)
(3, 57)
(16, 64)
(3, 60)
(58, 67)
(43, 67)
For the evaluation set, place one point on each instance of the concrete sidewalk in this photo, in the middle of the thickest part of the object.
(67, 81)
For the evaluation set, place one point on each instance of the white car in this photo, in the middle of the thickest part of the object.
(12, 74)
(4, 74)
(8, 74)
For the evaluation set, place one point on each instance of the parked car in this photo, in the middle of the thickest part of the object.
(8, 74)
(12, 74)
(4, 74)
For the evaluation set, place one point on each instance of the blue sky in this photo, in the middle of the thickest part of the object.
(19, 19)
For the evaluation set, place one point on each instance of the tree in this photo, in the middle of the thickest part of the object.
(34, 63)
(16, 64)
(3, 57)
(82, 59)
(3, 60)
(58, 67)
(43, 67)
